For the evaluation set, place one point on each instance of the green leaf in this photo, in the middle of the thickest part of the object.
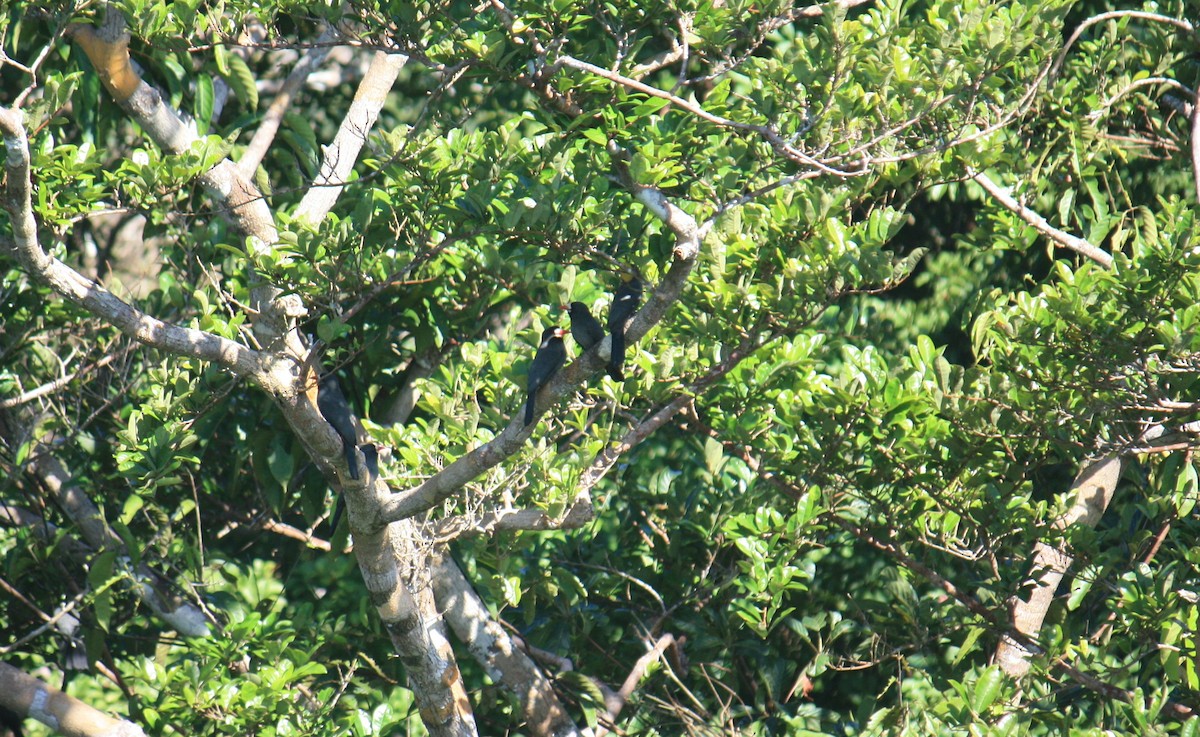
(242, 81)
(968, 645)
(714, 455)
(596, 136)
(987, 689)
(205, 100)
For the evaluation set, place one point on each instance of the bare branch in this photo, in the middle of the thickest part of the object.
(1146, 82)
(90, 295)
(53, 386)
(1062, 238)
(313, 57)
(492, 647)
(295, 533)
(659, 61)
(28, 697)
(607, 458)
(342, 153)
(510, 520)
(615, 702)
(1179, 23)
(1195, 132)
(766, 132)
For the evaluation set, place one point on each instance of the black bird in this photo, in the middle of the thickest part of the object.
(546, 362)
(371, 455)
(584, 327)
(625, 302)
(336, 410)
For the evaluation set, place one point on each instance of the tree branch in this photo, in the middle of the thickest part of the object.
(511, 520)
(107, 47)
(28, 697)
(766, 132)
(449, 480)
(1083, 511)
(152, 588)
(313, 57)
(1179, 23)
(59, 383)
(615, 701)
(1093, 490)
(1062, 238)
(492, 648)
(1195, 132)
(342, 153)
(1137, 84)
(90, 295)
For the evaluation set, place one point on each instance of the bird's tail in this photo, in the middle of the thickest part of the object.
(529, 408)
(338, 510)
(617, 358)
(351, 459)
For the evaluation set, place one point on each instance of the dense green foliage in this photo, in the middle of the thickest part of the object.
(893, 378)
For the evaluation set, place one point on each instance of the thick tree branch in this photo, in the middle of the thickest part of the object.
(342, 153)
(107, 47)
(492, 647)
(29, 698)
(1195, 131)
(414, 622)
(1060, 237)
(1092, 490)
(239, 200)
(396, 577)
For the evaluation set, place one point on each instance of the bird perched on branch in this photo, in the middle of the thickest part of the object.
(370, 453)
(625, 302)
(584, 327)
(546, 362)
(335, 409)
